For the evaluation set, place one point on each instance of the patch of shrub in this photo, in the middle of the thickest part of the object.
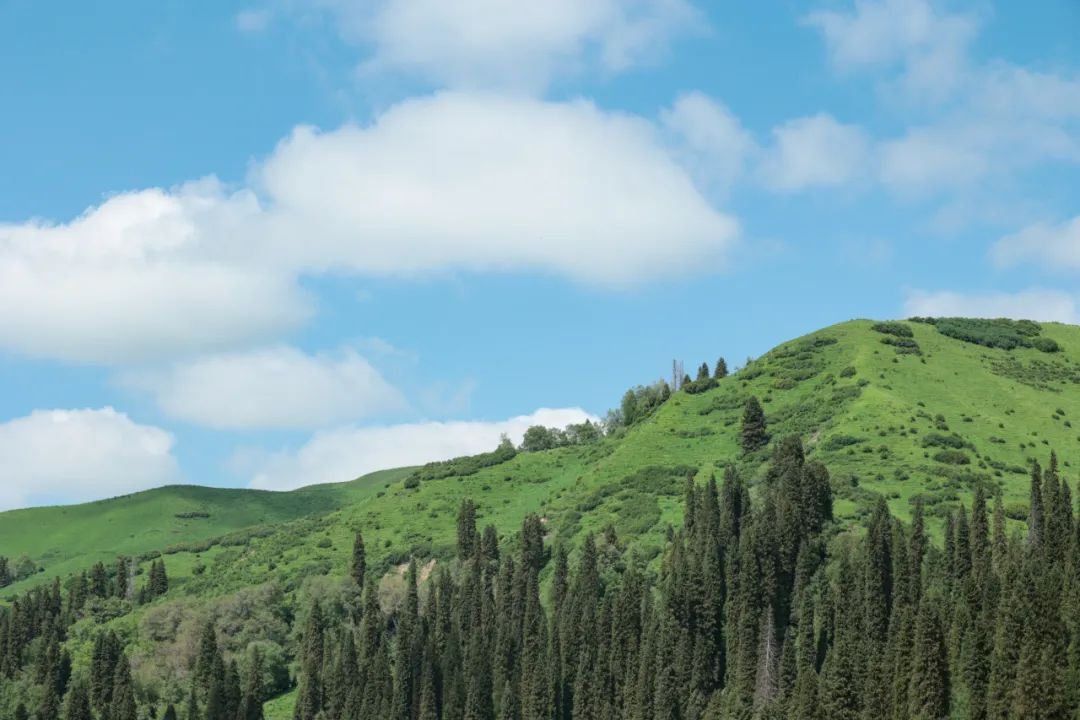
(952, 441)
(902, 345)
(1000, 333)
(468, 465)
(695, 387)
(891, 327)
(952, 457)
(847, 372)
(192, 515)
(838, 442)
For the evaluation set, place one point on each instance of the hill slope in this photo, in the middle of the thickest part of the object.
(894, 410)
(65, 539)
(877, 414)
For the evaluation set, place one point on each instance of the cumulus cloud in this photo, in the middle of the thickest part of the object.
(491, 183)
(348, 452)
(1055, 246)
(454, 181)
(929, 46)
(715, 143)
(135, 278)
(989, 119)
(275, 387)
(1034, 304)
(80, 455)
(815, 151)
(504, 43)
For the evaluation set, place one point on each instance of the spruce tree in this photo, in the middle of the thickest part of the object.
(721, 371)
(359, 560)
(77, 705)
(466, 530)
(123, 699)
(928, 693)
(754, 433)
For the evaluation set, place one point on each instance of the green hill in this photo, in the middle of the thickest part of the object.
(65, 539)
(931, 418)
(930, 409)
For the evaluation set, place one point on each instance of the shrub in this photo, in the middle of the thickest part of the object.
(898, 329)
(952, 457)
(847, 372)
(838, 442)
(1045, 344)
(700, 386)
(952, 441)
(902, 345)
(411, 482)
(999, 333)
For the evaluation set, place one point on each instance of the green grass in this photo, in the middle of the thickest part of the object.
(864, 407)
(65, 539)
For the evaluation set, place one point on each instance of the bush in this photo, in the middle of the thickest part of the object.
(1000, 333)
(891, 327)
(902, 345)
(411, 482)
(700, 386)
(847, 372)
(469, 465)
(952, 441)
(1046, 345)
(838, 442)
(952, 457)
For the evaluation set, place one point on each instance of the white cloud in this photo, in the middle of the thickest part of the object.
(137, 277)
(1057, 247)
(927, 160)
(716, 145)
(506, 43)
(490, 183)
(346, 453)
(276, 387)
(448, 182)
(929, 46)
(989, 120)
(79, 455)
(814, 151)
(1035, 304)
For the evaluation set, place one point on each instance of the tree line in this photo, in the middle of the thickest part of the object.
(762, 607)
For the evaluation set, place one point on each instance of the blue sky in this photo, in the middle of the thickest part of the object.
(288, 241)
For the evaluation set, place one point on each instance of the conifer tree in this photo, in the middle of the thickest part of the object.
(928, 694)
(123, 697)
(466, 530)
(77, 705)
(721, 370)
(754, 433)
(309, 700)
(359, 560)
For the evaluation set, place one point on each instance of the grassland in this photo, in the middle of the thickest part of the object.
(876, 414)
(893, 415)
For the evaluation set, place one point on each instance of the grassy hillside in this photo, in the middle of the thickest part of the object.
(65, 539)
(931, 416)
(894, 410)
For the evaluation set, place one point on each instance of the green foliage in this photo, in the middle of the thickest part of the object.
(897, 329)
(468, 465)
(999, 333)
